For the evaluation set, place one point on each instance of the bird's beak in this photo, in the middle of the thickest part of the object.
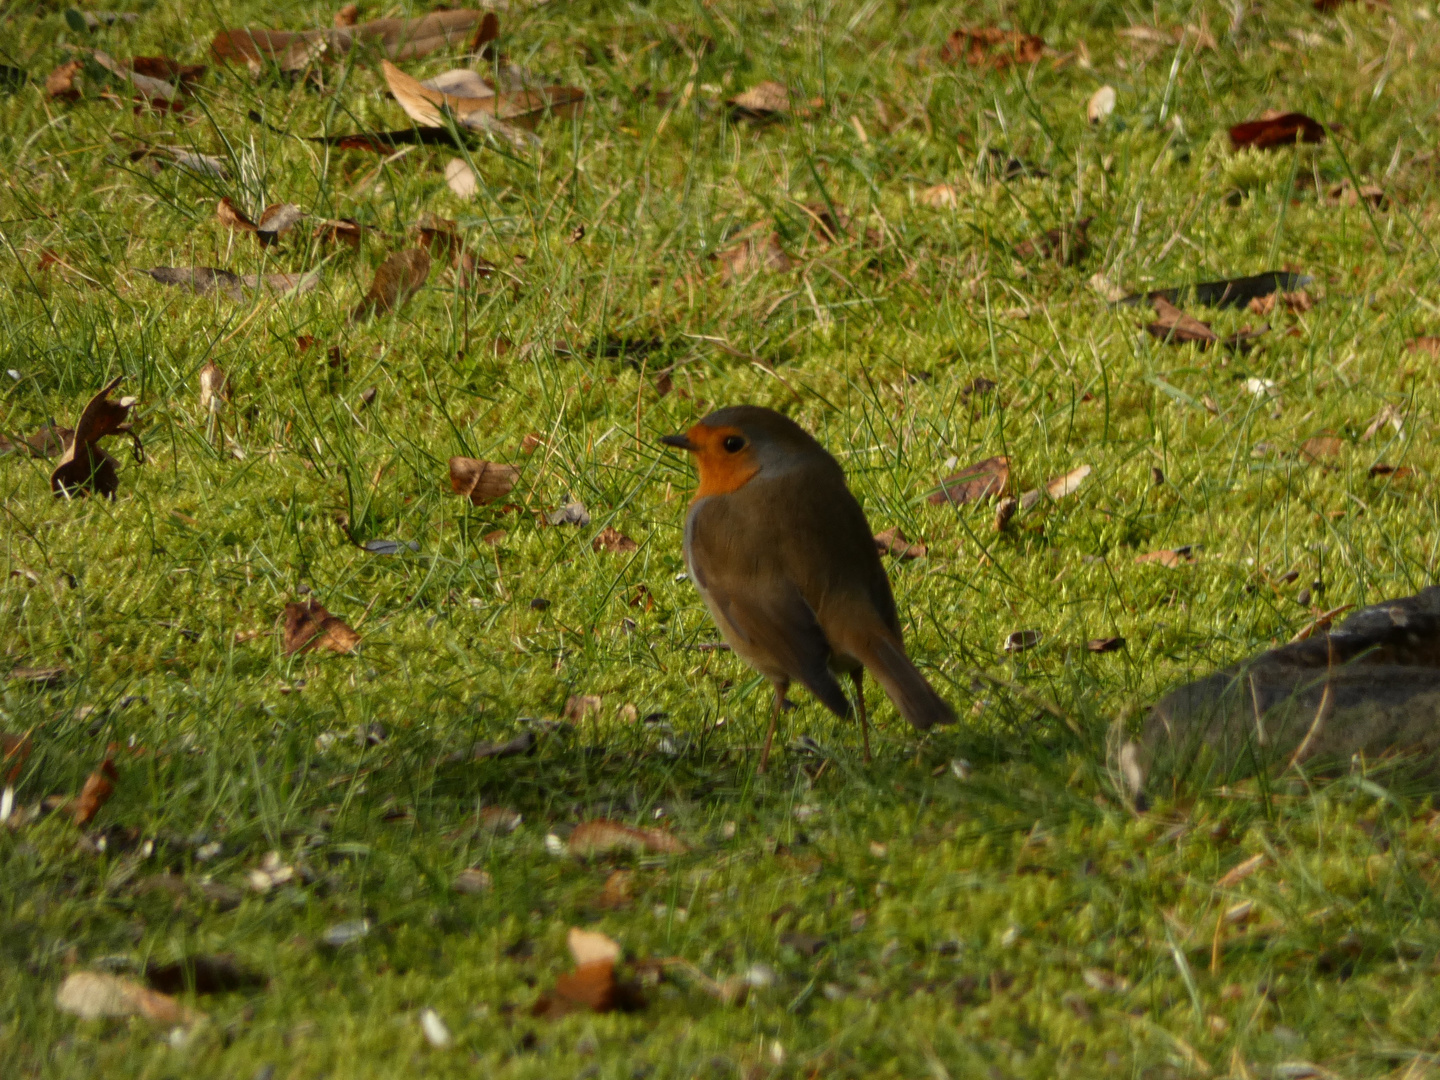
(681, 442)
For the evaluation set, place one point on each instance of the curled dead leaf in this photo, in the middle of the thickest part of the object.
(579, 706)
(308, 626)
(1429, 345)
(85, 467)
(603, 837)
(99, 786)
(1285, 129)
(612, 540)
(63, 84)
(481, 481)
(768, 100)
(214, 388)
(1322, 447)
(399, 39)
(1105, 644)
(1175, 327)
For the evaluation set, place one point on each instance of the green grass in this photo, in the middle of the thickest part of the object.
(956, 947)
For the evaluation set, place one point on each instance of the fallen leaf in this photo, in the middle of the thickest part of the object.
(1321, 447)
(1430, 345)
(399, 39)
(602, 837)
(99, 786)
(1175, 327)
(184, 158)
(768, 100)
(398, 278)
(593, 984)
(572, 513)
(93, 995)
(991, 47)
(473, 882)
(612, 540)
(1105, 644)
(39, 676)
(1168, 557)
(151, 88)
(892, 542)
(231, 216)
(1268, 133)
(1020, 640)
(308, 626)
(752, 254)
(1005, 510)
(1061, 486)
(1100, 105)
(497, 114)
(500, 819)
(461, 178)
(85, 467)
(975, 482)
(1240, 872)
(343, 230)
(63, 83)
(481, 481)
(348, 15)
(579, 706)
(440, 236)
(214, 388)
(203, 974)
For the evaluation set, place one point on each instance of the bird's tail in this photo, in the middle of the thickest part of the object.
(905, 686)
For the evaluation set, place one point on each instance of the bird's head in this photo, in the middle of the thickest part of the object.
(734, 445)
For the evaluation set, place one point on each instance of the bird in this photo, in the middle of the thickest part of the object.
(781, 553)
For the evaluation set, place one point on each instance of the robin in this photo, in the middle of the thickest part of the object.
(786, 563)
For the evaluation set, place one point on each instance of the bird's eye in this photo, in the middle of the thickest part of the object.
(734, 444)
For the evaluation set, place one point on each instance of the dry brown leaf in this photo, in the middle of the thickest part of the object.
(399, 39)
(1344, 194)
(93, 995)
(1020, 640)
(1061, 486)
(1240, 872)
(440, 236)
(768, 100)
(988, 46)
(892, 542)
(231, 216)
(348, 15)
(63, 83)
(461, 178)
(397, 279)
(1270, 132)
(1105, 644)
(204, 280)
(593, 984)
(579, 706)
(1169, 557)
(602, 837)
(611, 539)
(85, 467)
(1321, 447)
(99, 786)
(341, 230)
(214, 388)
(758, 249)
(168, 70)
(308, 626)
(497, 113)
(49, 441)
(1394, 472)
(1177, 328)
(1430, 345)
(481, 481)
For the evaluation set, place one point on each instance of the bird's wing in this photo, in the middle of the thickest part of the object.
(767, 611)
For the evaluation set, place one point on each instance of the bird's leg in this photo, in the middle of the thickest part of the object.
(859, 677)
(774, 717)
